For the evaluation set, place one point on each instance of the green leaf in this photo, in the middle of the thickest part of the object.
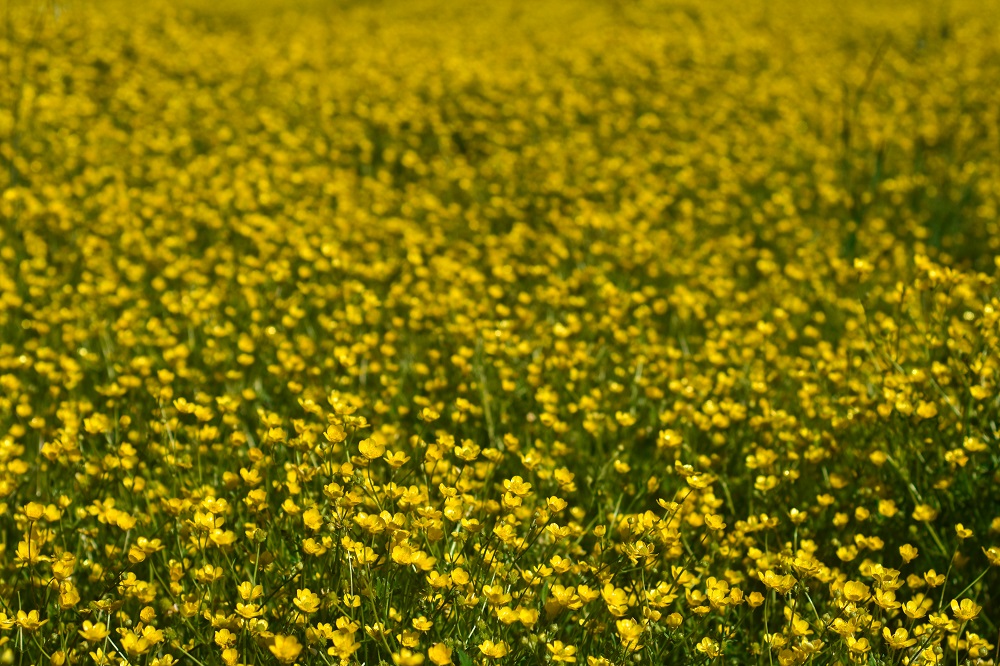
(463, 658)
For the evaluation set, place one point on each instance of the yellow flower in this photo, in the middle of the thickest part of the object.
(29, 621)
(934, 579)
(966, 610)
(313, 519)
(629, 631)
(494, 650)
(306, 601)
(134, 644)
(248, 611)
(517, 486)
(468, 451)
(858, 645)
(69, 596)
(440, 654)
(561, 652)
(782, 584)
(699, 481)
(427, 414)
(855, 591)
(249, 592)
(34, 511)
(918, 606)
(887, 508)
(371, 448)
(886, 599)
(406, 657)
(928, 656)
(403, 553)
(335, 434)
(714, 522)
(899, 639)
(344, 645)
(93, 633)
(556, 504)
(224, 638)
(101, 658)
(286, 649)
(396, 459)
(625, 419)
(709, 647)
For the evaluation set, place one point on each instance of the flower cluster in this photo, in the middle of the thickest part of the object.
(449, 333)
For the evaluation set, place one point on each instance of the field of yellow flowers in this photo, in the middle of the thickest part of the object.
(596, 332)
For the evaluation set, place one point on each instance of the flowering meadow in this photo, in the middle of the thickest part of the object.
(595, 332)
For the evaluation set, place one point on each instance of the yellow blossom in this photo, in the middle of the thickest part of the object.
(494, 650)
(286, 649)
(440, 654)
(966, 610)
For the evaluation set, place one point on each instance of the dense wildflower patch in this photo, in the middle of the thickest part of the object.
(551, 332)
